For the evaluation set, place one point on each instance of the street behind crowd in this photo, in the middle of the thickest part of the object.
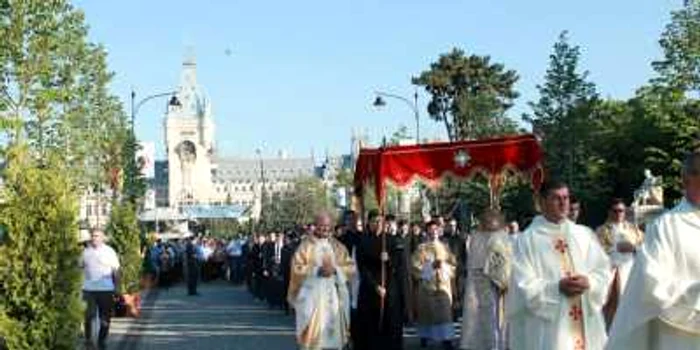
(222, 317)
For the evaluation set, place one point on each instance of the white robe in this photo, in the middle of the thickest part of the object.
(540, 316)
(623, 261)
(329, 295)
(661, 305)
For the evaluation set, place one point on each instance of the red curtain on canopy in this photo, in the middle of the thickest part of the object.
(401, 165)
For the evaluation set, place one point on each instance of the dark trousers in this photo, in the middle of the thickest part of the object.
(356, 335)
(98, 303)
(236, 269)
(192, 279)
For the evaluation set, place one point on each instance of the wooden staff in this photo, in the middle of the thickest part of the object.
(383, 271)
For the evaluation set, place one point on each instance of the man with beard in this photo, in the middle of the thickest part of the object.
(381, 295)
(318, 289)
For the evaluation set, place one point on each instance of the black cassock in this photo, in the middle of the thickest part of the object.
(272, 264)
(256, 263)
(387, 335)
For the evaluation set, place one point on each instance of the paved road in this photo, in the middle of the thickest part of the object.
(223, 317)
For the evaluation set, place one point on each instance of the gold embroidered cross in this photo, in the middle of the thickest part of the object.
(561, 246)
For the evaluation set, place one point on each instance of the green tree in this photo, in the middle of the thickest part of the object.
(469, 95)
(565, 116)
(680, 42)
(134, 182)
(299, 205)
(56, 110)
(563, 112)
(40, 279)
(125, 238)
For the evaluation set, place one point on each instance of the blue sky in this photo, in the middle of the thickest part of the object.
(301, 74)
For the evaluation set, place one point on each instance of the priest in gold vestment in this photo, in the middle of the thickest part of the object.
(620, 239)
(319, 290)
(434, 266)
(661, 305)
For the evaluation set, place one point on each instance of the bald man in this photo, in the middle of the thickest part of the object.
(318, 289)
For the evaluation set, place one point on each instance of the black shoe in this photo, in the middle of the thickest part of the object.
(423, 343)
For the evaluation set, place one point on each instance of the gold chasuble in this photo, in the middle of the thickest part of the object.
(322, 304)
(435, 286)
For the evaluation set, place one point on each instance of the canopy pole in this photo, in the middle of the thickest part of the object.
(382, 299)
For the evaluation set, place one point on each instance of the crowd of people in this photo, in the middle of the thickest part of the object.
(167, 258)
(556, 285)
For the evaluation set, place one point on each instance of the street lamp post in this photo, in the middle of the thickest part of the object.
(135, 107)
(262, 180)
(379, 102)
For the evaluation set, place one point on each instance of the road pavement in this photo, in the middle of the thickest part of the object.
(222, 317)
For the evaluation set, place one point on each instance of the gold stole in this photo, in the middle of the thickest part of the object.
(575, 303)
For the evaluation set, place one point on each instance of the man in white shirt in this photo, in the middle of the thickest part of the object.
(101, 271)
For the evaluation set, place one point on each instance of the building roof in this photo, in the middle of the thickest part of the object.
(203, 211)
(275, 169)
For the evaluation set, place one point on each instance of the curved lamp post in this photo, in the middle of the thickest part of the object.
(135, 107)
(379, 102)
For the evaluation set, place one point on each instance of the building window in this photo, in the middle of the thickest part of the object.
(88, 210)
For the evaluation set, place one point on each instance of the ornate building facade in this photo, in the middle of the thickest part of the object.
(195, 174)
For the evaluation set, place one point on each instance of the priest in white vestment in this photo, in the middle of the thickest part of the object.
(661, 305)
(559, 281)
(318, 290)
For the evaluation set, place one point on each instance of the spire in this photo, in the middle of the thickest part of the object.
(192, 97)
(190, 57)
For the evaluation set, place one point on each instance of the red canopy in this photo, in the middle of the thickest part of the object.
(401, 165)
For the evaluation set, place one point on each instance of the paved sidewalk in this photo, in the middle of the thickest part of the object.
(222, 317)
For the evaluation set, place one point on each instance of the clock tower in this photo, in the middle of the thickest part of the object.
(189, 140)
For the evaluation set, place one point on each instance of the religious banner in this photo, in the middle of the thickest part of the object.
(402, 165)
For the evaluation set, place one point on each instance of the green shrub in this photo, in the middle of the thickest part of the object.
(125, 238)
(40, 278)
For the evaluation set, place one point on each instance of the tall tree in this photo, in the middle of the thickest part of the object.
(40, 280)
(134, 182)
(56, 109)
(680, 42)
(469, 95)
(563, 114)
